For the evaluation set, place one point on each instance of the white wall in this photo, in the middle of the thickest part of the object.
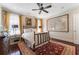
(66, 36)
(44, 25)
(1, 19)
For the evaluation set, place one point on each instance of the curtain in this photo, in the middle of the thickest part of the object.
(20, 24)
(7, 15)
(36, 23)
(41, 29)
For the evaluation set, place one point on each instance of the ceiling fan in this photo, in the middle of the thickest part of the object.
(41, 8)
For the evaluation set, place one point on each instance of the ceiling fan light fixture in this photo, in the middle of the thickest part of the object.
(42, 8)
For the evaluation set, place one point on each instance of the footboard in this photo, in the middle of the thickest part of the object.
(40, 38)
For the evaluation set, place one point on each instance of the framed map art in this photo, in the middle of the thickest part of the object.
(58, 24)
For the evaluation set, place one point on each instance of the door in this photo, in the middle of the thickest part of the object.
(76, 28)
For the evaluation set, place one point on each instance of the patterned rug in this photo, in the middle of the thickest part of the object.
(49, 49)
(52, 48)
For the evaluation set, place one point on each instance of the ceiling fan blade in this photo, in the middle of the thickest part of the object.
(48, 7)
(40, 12)
(39, 4)
(35, 9)
(45, 11)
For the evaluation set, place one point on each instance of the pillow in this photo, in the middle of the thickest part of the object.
(28, 30)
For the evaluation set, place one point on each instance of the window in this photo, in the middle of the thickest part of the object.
(14, 27)
(38, 25)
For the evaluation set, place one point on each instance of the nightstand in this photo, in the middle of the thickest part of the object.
(14, 39)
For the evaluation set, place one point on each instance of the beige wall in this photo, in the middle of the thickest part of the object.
(66, 36)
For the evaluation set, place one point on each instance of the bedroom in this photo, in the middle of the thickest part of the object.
(39, 27)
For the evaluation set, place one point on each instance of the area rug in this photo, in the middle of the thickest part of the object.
(68, 49)
(49, 49)
(24, 49)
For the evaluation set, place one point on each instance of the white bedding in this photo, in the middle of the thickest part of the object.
(29, 38)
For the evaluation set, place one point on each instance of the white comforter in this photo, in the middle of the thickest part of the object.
(29, 38)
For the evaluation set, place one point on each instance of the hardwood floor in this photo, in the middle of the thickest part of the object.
(14, 50)
(1, 47)
(6, 49)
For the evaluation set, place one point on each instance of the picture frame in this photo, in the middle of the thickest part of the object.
(58, 24)
(28, 22)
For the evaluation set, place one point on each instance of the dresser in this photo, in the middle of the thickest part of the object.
(14, 39)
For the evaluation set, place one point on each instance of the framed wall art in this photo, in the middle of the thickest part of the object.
(58, 24)
(28, 22)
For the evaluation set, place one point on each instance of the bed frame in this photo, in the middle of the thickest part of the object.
(40, 38)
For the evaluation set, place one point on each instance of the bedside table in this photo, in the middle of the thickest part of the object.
(14, 39)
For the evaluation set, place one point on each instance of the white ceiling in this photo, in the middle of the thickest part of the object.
(26, 8)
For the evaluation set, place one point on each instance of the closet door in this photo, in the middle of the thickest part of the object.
(76, 28)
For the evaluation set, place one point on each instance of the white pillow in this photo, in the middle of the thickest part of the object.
(27, 30)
